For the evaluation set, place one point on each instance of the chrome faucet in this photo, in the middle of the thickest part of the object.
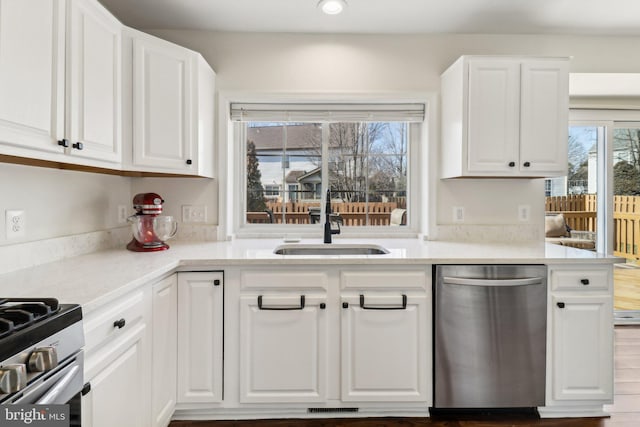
(328, 230)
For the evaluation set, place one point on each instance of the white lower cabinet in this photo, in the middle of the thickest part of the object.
(164, 352)
(335, 337)
(385, 353)
(580, 362)
(117, 363)
(200, 338)
(283, 348)
(583, 347)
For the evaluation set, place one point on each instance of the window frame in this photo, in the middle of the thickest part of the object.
(418, 177)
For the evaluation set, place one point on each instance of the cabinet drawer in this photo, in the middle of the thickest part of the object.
(114, 319)
(581, 280)
(302, 279)
(416, 279)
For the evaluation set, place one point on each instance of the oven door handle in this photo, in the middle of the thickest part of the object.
(50, 396)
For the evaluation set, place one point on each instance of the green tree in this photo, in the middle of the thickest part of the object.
(255, 190)
(626, 179)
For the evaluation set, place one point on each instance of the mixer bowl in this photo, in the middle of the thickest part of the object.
(152, 230)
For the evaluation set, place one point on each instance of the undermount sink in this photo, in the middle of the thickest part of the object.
(330, 249)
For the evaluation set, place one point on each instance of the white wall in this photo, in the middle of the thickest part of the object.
(399, 63)
(60, 202)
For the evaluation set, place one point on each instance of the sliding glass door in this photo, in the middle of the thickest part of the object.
(599, 199)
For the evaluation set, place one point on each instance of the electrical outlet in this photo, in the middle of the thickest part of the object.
(15, 224)
(524, 213)
(122, 214)
(194, 213)
(458, 214)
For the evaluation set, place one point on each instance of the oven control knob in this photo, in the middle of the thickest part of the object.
(43, 359)
(13, 378)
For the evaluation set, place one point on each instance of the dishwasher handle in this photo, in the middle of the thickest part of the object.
(492, 282)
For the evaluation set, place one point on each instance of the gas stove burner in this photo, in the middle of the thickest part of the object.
(18, 313)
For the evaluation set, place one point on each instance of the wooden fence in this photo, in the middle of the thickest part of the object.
(352, 213)
(580, 212)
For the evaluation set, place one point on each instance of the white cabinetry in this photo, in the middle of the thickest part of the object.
(342, 336)
(505, 117)
(385, 336)
(580, 371)
(283, 336)
(200, 320)
(173, 108)
(116, 362)
(32, 39)
(94, 96)
(40, 80)
(164, 351)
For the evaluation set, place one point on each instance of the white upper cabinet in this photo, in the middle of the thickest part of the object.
(173, 108)
(94, 101)
(32, 77)
(505, 117)
(60, 92)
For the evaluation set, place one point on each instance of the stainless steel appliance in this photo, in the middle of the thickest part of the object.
(41, 358)
(490, 336)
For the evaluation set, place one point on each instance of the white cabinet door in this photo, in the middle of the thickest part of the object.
(94, 76)
(544, 116)
(582, 347)
(283, 348)
(505, 117)
(31, 77)
(117, 391)
(164, 351)
(200, 317)
(385, 347)
(493, 121)
(163, 79)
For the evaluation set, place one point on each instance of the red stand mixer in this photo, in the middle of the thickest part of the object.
(150, 229)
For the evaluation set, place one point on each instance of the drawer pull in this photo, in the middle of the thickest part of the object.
(119, 323)
(584, 281)
(403, 307)
(262, 307)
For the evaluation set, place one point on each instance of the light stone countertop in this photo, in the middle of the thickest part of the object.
(94, 279)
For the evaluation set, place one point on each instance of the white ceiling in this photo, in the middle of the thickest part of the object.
(584, 17)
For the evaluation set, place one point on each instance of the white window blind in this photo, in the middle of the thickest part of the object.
(348, 112)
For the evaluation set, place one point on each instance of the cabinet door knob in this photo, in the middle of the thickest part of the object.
(78, 145)
(119, 323)
(216, 282)
(512, 164)
(584, 281)
(189, 161)
(64, 143)
(526, 164)
(560, 305)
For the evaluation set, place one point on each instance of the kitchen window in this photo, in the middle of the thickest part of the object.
(293, 153)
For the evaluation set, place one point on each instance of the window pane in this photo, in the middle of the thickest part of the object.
(366, 172)
(571, 202)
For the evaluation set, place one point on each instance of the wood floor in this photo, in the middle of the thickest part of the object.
(625, 412)
(626, 285)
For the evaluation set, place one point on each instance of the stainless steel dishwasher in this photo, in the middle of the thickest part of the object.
(490, 336)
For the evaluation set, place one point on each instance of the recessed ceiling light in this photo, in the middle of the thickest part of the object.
(332, 7)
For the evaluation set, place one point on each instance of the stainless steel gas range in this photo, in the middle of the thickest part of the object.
(41, 357)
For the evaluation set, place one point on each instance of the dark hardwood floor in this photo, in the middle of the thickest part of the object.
(625, 412)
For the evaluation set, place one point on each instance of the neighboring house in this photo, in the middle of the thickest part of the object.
(286, 153)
